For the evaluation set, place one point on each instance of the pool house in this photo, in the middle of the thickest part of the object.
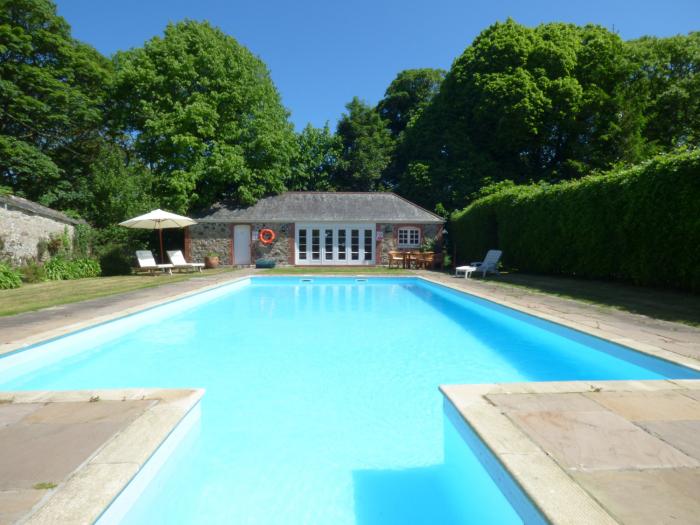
(314, 229)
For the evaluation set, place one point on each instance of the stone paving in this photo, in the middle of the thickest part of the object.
(626, 451)
(27, 328)
(57, 447)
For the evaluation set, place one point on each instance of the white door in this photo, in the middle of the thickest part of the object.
(241, 244)
(335, 244)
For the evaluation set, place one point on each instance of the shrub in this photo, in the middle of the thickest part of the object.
(60, 269)
(9, 277)
(33, 272)
(83, 237)
(638, 224)
(115, 262)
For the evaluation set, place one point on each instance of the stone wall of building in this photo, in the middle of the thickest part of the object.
(205, 238)
(24, 225)
(209, 237)
(281, 250)
(429, 232)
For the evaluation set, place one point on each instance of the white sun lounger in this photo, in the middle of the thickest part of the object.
(179, 261)
(489, 264)
(148, 264)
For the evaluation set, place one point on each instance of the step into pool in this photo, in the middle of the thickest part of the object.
(322, 402)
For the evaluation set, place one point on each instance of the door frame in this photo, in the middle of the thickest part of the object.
(233, 243)
(335, 227)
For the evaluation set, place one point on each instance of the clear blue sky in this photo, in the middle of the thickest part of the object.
(321, 53)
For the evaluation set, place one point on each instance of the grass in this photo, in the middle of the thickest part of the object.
(669, 305)
(31, 297)
(336, 270)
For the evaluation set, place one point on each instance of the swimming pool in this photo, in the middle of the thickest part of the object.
(322, 402)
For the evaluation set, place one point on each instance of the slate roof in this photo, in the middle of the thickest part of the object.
(12, 201)
(310, 206)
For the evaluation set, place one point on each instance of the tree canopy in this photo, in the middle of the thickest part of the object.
(407, 95)
(192, 117)
(365, 148)
(52, 88)
(205, 117)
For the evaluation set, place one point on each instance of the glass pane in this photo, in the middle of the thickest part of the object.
(329, 245)
(368, 245)
(302, 244)
(315, 244)
(355, 245)
(341, 245)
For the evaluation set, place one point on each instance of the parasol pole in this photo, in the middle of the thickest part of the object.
(160, 231)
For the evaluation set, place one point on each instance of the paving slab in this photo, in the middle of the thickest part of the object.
(580, 455)
(684, 435)
(51, 442)
(633, 497)
(598, 440)
(649, 406)
(572, 402)
(64, 459)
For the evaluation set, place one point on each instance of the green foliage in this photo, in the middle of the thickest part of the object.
(667, 83)
(546, 103)
(407, 95)
(114, 246)
(205, 116)
(639, 224)
(33, 272)
(317, 157)
(114, 261)
(62, 269)
(366, 147)
(9, 277)
(82, 240)
(121, 188)
(51, 90)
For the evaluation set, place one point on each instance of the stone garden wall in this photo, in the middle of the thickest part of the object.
(209, 237)
(25, 224)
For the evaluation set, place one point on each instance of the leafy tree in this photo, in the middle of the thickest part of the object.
(667, 82)
(407, 95)
(366, 146)
(52, 88)
(205, 117)
(121, 188)
(546, 103)
(317, 158)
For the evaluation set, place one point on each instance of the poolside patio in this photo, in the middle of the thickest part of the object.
(579, 442)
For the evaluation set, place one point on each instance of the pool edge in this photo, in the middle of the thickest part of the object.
(85, 496)
(631, 344)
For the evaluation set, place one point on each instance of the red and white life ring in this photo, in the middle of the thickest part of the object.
(266, 236)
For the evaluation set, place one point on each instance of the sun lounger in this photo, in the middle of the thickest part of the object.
(179, 262)
(148, 264)
(489, 264)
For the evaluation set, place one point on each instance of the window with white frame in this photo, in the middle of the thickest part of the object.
(408, 238)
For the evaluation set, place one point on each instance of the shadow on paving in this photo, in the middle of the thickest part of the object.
(659, 303)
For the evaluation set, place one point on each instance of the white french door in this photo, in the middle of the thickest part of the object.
(335, 244)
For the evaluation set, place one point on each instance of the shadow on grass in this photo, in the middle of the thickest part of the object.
(659, 303)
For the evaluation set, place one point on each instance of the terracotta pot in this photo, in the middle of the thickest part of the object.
(211, 262)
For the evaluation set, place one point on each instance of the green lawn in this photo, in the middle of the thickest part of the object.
(669, 305)
(53, 293)
(336, 270)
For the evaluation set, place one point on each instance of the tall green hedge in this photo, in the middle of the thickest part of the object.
(639, 224)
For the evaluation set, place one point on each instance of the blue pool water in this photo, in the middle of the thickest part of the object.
(322, 402)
